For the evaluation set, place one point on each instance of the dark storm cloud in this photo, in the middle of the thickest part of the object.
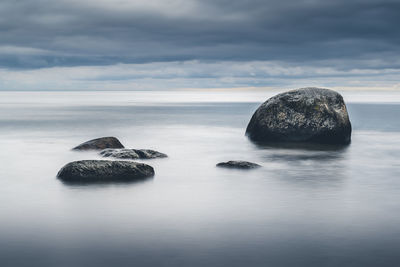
(44, 33)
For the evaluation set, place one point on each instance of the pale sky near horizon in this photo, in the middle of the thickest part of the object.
(177, 44)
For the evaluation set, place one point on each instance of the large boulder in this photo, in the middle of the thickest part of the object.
(89, 171)
(100, 144)
(304, 115)
(238, 164)
(124, 153)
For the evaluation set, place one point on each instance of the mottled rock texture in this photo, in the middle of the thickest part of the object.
(125, 153)
(311, 115)
(87, 171)
(100, 143)
(234, 164)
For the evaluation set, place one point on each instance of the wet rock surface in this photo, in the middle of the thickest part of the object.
(132, 153)
(237, 164)
(92, 171)
(310, 115)
(100, 143)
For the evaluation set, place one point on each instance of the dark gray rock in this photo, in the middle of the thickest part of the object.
(125, 153)
(150, 154)
(87, 171)
(238, 165)
(310, 115)
(100, 143)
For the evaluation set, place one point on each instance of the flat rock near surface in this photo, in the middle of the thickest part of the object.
(309, 115)
(234, 164)
(88, 171)
(100, 143)
(125, 153)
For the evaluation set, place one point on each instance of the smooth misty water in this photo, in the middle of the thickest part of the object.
(305, 207)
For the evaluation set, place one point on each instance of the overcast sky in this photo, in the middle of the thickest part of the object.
(166, 44)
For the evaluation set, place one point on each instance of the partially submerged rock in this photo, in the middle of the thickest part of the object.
(100, 143)
(234, 164)
(92, 171)
(304, 115)
(125, 153)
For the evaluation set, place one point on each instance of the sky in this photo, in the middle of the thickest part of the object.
(187, 44)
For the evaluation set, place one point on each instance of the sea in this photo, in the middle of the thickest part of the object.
(306, 206)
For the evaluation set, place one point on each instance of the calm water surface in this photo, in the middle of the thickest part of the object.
(305, 207)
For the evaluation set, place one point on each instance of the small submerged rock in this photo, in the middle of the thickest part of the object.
(238, 165)
(92, 171)
(125, 153)
(100, 143)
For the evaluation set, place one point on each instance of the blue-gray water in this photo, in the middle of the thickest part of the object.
(305, 207)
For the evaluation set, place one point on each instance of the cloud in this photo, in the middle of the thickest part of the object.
(195, 74)
(341, 36)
